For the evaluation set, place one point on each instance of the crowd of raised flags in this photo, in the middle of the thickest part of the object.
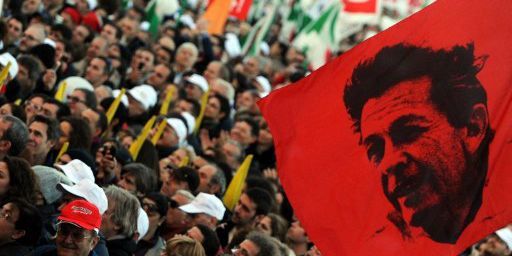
(136, 128)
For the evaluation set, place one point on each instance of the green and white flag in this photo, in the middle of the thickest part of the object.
(155, 12)
(321, 38)
(259, 31)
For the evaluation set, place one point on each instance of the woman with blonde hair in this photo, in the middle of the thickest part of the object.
(181, 245)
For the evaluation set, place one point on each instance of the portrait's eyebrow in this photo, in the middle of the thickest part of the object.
(370, 139)
(404, 120)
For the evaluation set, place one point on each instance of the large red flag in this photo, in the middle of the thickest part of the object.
(402, 145)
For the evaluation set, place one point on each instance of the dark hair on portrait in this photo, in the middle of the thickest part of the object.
(455, 87)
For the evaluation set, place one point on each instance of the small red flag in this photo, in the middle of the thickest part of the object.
(360, 6)
(402, 145)
(240, 9)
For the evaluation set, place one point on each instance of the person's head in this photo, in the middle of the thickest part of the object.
(98, 71)
(97, 121)
(186, 56)
(245, 131)
(214, 71)
(195, 86)
(32, 36)
(43, 135)
(252, 66)
(137, 179)
(205, 209)
(28, 72)
(81, 35)
(15, 27)
(273, 225)
(217, 108)
(184, 245)
(296, 236)
(246, 101)
(495, 244)
(156, 206)
(141, 99)
(143, 60)
(129, 27)
(20, 222)
(81, 99)
(13, 110)
(176, 218)
(121, 217)
(160, 76)
(233, 153)
(191, 106)
(183, 178)
(163, 55)
(14, 135)
(98, 47)
(207, 237)
(76, 131)
(211, 180)
(77, 229)
(85, 189)
(425, 126)
(34, 105)
(17, 180)
(257, 244)
(253, 205)
(111, 32)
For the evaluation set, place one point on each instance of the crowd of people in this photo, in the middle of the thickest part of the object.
(84, 78)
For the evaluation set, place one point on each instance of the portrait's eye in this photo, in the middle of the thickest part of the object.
(407, 134)
(375, 150)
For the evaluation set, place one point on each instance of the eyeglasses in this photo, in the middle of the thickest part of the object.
(65, 230)
(36, 107)
(75, 99)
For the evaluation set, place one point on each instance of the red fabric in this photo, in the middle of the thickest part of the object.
(360, 6)
(338, 193)
(74, 14)
(81, 213)
(240, 9)
(92, 20)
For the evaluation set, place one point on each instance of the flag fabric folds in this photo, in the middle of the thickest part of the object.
(234, 190)
(401, 145)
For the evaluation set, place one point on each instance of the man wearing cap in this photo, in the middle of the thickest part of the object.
(205, 209)
(174, 136)
(140, 100)
(195, 86)
(77, 231)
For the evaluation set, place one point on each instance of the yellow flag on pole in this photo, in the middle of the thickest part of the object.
(159, 131)
(164, 109)
(234, 190)
(137, 144)
(62, 150)
(59, 95)
(3, 74)
(199, 119)
(113, 107)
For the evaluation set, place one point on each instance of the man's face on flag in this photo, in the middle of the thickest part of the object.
(420, 155)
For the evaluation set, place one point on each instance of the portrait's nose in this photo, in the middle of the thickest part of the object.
(393, 159)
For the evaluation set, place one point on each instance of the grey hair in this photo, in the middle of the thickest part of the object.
(190, 46)
(17, 134)
(126, 210)
(264, 243)
(185, 193)
(219, 178)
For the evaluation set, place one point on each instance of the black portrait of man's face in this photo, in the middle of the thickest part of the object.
(427, 160)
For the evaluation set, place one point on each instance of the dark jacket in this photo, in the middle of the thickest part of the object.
(121, 247)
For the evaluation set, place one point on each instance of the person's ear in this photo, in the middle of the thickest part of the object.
(477, 127)
(5, 145)
(94, 242)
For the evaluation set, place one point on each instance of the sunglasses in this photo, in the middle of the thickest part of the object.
(65, 230)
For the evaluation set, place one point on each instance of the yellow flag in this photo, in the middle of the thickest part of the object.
(137, 144)
(63, 150)
(3, 74)
(159, 131)
(234, 190)
(113, 107)
(59, 95)
(184, 162)
(18, 102)
(199, 119)
(164, 109)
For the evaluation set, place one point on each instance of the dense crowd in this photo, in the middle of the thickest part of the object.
(83, 80)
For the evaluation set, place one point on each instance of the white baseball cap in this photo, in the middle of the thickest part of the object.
(6, 58)
(124, 98)
(89, 191)
(191, 121)
(75, 82)
(76, 170)
(207, 204)
(179, 127)
(505, 234)
(145, 95)
(199, 81)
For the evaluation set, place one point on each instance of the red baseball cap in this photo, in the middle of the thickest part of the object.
(81, 213)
